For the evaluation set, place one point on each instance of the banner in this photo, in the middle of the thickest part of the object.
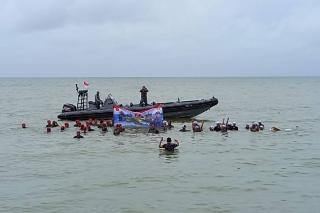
(129, 118)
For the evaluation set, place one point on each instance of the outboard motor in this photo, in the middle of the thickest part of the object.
(69, 108)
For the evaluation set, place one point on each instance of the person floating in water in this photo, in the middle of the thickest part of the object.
(77, 124)
(89, 129)
(261, 125)
(165, 125)
(247, 127)
(196, 127)
(78, 136)
(216, 128)
(170, 126)
(23, 125)
(104, 127)
(184, 129)
(224, 127)
(169, 146)
(254, 127)
(234, 126)
(153, 129)
(97, 100)
(118, 128)
(229, 126)
(144, 99)
(49, 124)
(55, 124)
(275, 129)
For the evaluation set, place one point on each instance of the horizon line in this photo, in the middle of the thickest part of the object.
(236, 76)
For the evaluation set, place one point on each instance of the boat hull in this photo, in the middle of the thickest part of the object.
(173, 110)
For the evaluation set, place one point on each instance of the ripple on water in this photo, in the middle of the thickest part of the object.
(219, 188)
(313, 162)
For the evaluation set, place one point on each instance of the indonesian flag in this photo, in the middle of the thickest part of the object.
(86, 84)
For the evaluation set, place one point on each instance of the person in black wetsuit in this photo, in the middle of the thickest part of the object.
(144, 99)
(217, 128)
(261, 125)
(234, 126)
(229, 126)
(169, 146)
(78, 136)
(184, 129)
(247, 127)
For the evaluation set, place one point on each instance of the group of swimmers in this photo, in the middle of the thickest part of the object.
(255, 127)
(84, 127)
(169, 145)
(224, 127)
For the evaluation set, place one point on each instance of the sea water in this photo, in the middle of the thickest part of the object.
(210, 172)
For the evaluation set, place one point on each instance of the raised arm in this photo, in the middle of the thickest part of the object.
(202, 125)
(160, 146)
(177, 141)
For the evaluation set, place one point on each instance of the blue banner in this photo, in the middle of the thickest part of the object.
(129, 118)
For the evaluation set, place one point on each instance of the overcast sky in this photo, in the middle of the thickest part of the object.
(159, 38)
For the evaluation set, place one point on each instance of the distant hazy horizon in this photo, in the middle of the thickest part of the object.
(253, 76)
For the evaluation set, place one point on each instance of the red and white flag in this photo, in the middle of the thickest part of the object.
(86, 84)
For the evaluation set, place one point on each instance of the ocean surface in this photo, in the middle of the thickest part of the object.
(210, 172)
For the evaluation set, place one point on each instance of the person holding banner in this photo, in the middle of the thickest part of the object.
(169, 146)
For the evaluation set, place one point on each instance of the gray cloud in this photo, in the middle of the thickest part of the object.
(159, 38)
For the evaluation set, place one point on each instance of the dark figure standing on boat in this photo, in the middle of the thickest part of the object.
(144, 99)
(97, 100)
(169, 146)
